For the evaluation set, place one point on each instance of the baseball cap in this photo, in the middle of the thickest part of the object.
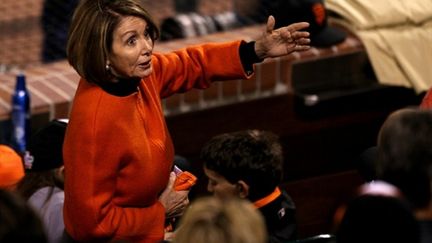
(11, 167)
(313, 12)
(45, 147)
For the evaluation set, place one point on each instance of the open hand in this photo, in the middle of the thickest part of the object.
(282, 41)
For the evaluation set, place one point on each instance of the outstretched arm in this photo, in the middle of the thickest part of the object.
(282, 41)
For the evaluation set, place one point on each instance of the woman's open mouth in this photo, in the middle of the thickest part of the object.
(145, 65)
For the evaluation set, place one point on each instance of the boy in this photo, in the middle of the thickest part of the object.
(248, 164)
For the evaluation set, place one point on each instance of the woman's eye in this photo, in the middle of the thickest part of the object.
(131, 41)
(147, 33)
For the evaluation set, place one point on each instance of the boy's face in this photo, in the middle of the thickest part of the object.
(219, 186)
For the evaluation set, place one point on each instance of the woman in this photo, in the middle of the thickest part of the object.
(118, 152)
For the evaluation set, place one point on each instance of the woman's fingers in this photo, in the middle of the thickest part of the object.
(303, 41)
(297, 26)
(271, 22)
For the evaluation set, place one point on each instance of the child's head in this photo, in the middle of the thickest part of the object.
(46, 146)
(247, 164)
(11, 168)
(210, 219)
(405, 154)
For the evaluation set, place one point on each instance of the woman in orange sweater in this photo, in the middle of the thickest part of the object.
(118, 153)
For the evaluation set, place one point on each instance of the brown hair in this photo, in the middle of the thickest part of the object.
(91, 34)
(36, 180)
(405, 154)
(18, 221)
(211, 220)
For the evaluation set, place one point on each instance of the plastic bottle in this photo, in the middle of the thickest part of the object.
(20, 115)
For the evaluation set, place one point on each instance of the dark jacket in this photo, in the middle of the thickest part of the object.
(280, 219)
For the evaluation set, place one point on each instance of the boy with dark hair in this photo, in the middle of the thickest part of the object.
(249, 164)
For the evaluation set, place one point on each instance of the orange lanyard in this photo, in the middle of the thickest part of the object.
(267, 199)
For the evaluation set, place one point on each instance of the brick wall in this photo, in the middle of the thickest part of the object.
(52, 86)
(21, 33)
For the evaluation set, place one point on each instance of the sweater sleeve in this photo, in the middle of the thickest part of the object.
(248, 56)
(197, 67)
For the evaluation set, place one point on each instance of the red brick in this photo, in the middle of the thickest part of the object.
(172, 102)
(249, 86)
(268, 75)
(192, 97)
(231, 89)
(212, 93)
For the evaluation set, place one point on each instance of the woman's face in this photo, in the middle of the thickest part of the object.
(131, 49)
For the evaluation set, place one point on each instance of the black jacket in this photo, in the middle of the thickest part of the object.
(280, 219)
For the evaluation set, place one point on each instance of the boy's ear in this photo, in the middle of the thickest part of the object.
(243, 189)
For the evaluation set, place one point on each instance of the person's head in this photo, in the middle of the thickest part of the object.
(18, 222)
(247, 164)
(377, 219)
(111, 38)
(44, 162)
(405, 154)
(11, 168)
(213, 220)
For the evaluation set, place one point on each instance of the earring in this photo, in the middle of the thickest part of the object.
(107, 67)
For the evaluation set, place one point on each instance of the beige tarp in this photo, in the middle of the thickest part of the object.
(397, 35)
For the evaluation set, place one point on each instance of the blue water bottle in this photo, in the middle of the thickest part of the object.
(20, 115)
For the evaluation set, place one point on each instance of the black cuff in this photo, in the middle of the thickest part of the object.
(248, 56)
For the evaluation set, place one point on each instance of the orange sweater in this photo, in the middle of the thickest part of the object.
(118, 152)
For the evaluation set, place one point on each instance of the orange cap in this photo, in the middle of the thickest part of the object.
(11, 167)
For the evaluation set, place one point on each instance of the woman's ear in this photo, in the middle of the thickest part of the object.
(243, 189)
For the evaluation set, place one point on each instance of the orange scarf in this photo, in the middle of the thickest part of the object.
(268, 199)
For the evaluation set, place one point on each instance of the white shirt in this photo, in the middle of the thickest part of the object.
(50, 211)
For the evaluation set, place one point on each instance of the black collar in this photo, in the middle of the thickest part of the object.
(122, 86)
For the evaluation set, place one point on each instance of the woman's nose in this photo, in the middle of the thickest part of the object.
(147, 47)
